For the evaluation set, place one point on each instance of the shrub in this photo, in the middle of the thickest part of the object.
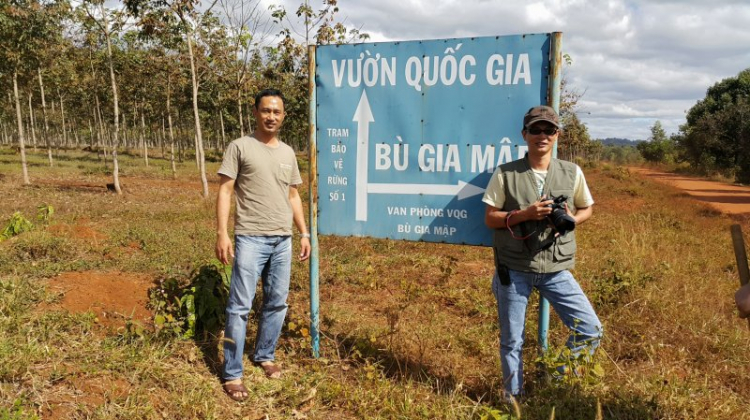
(188, 309)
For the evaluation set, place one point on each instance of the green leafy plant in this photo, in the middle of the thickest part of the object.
(165, 302)
(16, 412)
(565, 367)
(44, 213)
(16, 226)
(186, 310)
(206, 299)
(495, 414)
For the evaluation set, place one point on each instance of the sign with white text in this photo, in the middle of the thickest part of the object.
(409, 133)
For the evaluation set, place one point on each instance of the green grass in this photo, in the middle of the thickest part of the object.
(409, 329)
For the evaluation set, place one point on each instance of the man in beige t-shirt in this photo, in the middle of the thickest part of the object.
(263, 173)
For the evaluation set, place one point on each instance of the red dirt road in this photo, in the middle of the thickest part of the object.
(727, 198)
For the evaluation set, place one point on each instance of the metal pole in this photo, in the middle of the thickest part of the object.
(738, 241)
(312, 150)
(553, 100)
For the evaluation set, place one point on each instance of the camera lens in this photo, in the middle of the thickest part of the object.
(562, 221)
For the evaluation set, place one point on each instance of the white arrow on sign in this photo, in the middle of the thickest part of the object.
(461, 190)
(363, 116)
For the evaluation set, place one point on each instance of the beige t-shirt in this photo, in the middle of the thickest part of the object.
(495, 193)
(262, 177)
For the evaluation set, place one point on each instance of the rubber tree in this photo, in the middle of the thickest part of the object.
(101, 18)
(49, 57)
(25, 26)
(286, 63)
(155, 15)
(249, 28)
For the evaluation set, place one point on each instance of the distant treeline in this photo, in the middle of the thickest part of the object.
(716, 137)
(615, 141)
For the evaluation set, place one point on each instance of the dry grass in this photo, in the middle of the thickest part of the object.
(409, 328)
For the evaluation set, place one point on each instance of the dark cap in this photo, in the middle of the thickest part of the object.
(541, 113)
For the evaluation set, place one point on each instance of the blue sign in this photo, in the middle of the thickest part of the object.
(409, 133)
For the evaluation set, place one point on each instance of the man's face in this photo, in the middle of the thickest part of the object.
(269, 114)
(540, 137)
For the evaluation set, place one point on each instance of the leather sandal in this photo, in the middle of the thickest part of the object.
(272, 370)
(237, 392)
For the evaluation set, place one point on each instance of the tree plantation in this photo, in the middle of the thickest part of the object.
(165, 77)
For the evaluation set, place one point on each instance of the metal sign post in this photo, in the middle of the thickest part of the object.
(313, 177)
(555, 71)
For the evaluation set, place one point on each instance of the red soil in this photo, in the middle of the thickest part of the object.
(727, 198)
(113, 297)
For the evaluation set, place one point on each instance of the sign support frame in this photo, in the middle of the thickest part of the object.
(553, 98)
(312, 148)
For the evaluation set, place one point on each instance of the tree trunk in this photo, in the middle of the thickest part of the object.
(223, 135)
(21, 146)
(197, 154)
(124, 131)
(163, 137)
(143, 134)
(100, 123)
(115, 139)
(180, 132)
(250, 119)
(74, 130)
(91, 135)
(198, 135)
(171, 132)
(44, 113)
(62, 113)
(239, 109)
(31, 123)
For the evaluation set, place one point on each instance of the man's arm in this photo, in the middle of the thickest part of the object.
(224, 250)
(582, 199)
(299, 221)
(582, 214)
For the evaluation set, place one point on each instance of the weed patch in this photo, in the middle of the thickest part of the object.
(187, 308)
(616, 284)
(16, 226)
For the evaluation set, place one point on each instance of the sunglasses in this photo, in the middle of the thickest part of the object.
(536, 130)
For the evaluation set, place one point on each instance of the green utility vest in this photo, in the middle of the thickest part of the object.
(520, 192)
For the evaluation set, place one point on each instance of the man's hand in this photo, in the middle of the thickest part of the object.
(224, 250)
(538, 210)
(305, 249)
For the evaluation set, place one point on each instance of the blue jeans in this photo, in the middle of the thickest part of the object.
(565, 296)
(269, 257)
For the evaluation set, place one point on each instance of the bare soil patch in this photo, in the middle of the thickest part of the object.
(114, 297)
(83, 229)
(77, 395)
(728, 199)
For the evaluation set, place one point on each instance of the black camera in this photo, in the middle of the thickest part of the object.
(560, 218)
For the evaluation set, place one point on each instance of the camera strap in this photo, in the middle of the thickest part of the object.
(548, 242)
(507, 226)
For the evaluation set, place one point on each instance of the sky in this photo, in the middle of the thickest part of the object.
(635, 61)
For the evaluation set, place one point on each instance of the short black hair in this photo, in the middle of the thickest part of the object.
(269, 92)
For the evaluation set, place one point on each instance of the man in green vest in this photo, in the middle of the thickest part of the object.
(534, 247)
